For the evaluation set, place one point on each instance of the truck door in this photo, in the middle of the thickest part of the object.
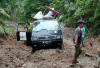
(21, 36)
(21, 32)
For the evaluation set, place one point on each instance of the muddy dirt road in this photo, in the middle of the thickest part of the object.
(14, 54)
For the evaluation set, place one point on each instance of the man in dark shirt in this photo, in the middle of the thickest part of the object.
(77, 41)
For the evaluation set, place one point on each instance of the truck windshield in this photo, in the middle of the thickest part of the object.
(46, 25)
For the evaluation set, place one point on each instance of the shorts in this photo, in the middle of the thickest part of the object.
(78, 51)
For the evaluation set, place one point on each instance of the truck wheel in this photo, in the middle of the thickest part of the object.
(61, 46)
(34, 49)
(27, 43)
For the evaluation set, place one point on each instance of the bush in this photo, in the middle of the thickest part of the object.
(4, 30)
(9, 30)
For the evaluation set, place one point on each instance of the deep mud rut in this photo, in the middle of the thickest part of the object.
(14, 54)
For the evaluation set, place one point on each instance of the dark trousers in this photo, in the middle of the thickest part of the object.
(78, 51)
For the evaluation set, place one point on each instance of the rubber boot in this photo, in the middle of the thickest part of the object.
(82, 45)
(74, 61)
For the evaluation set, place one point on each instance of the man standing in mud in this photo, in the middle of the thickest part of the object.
(77, 41)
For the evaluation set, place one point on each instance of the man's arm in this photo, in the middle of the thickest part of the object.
(76, 40)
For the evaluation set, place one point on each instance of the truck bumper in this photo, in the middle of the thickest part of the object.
(48, 42)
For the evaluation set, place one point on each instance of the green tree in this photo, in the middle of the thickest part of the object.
(73, 10)
(3, 15)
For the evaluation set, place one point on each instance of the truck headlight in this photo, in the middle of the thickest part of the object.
(55, 31)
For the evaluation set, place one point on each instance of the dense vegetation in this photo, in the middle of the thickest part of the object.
(73, 10)
(4, 30)
(70, 11)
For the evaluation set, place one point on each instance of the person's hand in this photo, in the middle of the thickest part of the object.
(75, 45)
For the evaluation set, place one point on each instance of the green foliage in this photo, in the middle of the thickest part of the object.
(21, 10)
(70, 11)
(3, 14)
(73, 10)
(2, 23)
(3, 29)
(8, 30)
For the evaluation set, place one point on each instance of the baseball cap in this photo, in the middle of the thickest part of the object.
(81, 22)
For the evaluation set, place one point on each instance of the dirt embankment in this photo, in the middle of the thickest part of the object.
(14, 54)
